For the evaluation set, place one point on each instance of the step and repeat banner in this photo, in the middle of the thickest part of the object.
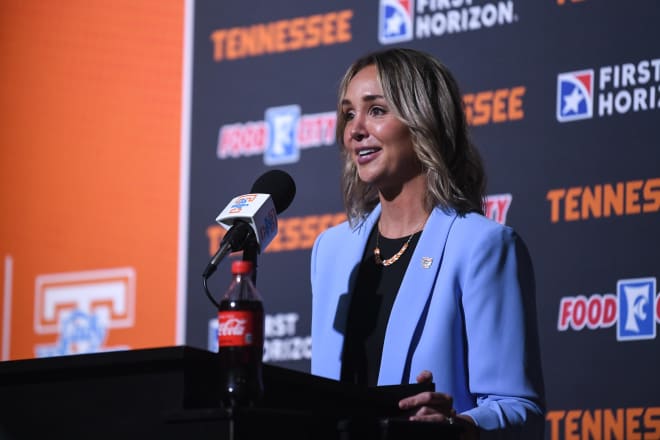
(127, 130)
(563, 99)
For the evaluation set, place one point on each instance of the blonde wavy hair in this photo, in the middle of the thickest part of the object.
(425, 96)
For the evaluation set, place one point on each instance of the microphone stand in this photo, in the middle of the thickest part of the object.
(250, 252)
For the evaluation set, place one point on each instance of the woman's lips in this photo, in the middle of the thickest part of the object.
(365, 155)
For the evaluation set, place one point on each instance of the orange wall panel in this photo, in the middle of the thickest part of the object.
(90, 102)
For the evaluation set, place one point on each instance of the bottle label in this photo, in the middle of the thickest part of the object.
(236, 328)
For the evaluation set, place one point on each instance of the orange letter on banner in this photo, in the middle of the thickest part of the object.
(571, 431)
(591, 425)
(314, 31)
(482, 107)
(295, 228)
(259, 38)
(571, 210)
(278, 35)
(344, 26)
(613, 425)
(592, 202)
(250, 42)
(218, 38)
(285, 239)
(633, 423)
(499, 107)
(613, 200)
(515, 103)
(468, 104)
(652, 423)
(555, 196)
(554, 417)
(233, 46)
(308, 231)
(296, 33)
(632, 196)
(652, 195)
(329, 28)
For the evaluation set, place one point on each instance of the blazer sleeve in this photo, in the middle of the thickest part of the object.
(498, 300)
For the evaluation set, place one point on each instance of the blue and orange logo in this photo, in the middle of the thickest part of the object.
(575, 95)
(395, 21)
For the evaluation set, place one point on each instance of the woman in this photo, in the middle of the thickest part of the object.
(418, 285)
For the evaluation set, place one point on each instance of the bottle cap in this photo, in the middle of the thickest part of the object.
(241, 266)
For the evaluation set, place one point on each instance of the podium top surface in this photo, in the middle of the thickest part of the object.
(185, 378)
(163, 357)
(281, 384)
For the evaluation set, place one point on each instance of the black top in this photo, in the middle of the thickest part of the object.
(371, 301)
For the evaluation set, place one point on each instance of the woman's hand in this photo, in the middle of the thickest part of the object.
(431, 406)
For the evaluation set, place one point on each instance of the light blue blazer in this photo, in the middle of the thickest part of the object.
(465, 311)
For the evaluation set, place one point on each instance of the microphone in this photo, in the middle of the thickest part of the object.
(253, 217)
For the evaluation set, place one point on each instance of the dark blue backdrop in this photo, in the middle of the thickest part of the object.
(564, 97)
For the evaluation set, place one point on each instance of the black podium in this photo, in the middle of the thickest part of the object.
(173, 393)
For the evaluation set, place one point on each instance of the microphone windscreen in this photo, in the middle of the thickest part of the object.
(279, 185)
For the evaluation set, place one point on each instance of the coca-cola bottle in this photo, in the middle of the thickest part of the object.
(241, 339)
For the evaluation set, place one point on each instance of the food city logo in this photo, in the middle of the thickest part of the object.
(80, 308)
(282, 36)
(285, 130)
(634, 197)
(403, 20)
(615, 90)
(496, 207)
(635, 309)
(279, 137)
(299, 233)
(281, 341)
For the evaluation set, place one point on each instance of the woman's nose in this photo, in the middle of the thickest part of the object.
(358, 130)
(357, 135)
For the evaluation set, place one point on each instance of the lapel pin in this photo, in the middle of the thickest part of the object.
(427, 262)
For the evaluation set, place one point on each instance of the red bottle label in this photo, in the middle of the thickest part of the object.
(236, 328)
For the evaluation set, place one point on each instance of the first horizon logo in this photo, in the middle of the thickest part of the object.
(395, 21)
(575, 95)
(407, 20)
(615, 89)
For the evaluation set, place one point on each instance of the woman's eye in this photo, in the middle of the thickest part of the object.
(377, 111)
(348, 116)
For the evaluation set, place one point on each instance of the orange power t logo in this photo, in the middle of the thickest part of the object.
(79, 308)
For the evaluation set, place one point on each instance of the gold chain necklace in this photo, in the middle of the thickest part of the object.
(393, 259)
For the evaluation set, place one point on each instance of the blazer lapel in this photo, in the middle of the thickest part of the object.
(349, 254)
(416, 287)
